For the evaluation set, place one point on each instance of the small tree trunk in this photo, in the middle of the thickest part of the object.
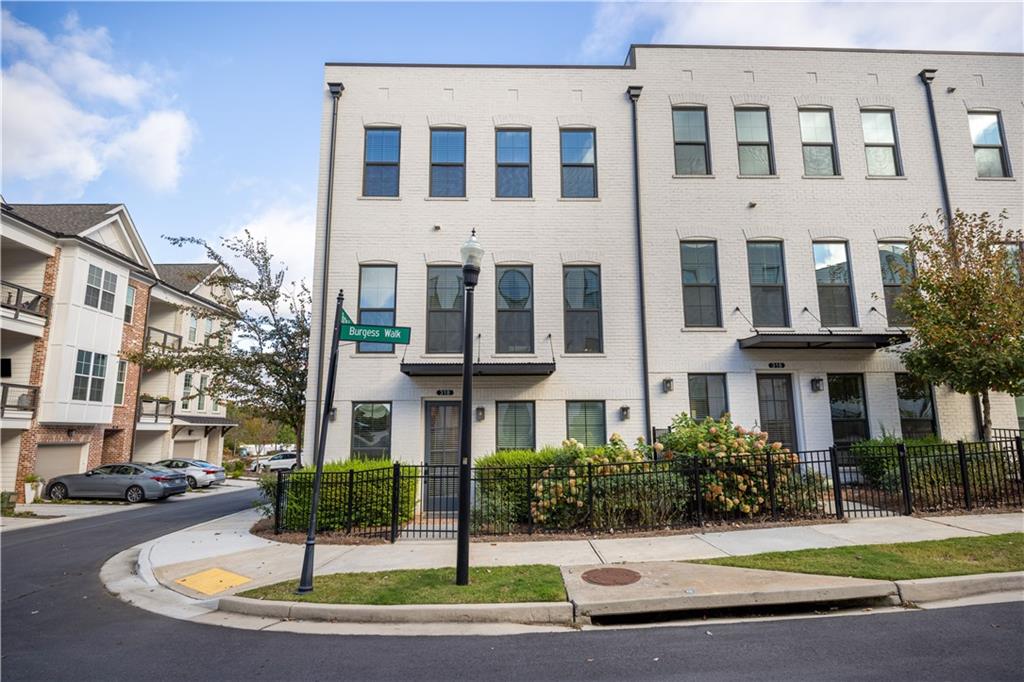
(986, 416)
(298, 443)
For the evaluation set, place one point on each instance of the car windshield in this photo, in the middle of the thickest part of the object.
(201, 463)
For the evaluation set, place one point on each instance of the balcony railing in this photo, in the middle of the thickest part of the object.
(18, 398)
(23, 300)
(161, 339)
(155, 410)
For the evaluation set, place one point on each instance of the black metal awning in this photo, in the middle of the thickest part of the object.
(823, 341)
(480, 369)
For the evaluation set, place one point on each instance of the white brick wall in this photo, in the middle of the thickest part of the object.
(548, 232)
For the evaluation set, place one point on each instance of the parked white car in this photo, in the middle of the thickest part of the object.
(282, 460)
(199, 473)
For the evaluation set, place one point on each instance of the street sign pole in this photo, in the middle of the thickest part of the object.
(306, 579)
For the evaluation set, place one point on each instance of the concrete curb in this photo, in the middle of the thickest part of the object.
(955, 587)
(527, 613)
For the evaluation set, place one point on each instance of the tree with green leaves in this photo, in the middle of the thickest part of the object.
(964, 300)
(258, 357)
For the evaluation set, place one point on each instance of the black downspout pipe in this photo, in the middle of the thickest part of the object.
(927, 76)
(336, 90)
(634, 94)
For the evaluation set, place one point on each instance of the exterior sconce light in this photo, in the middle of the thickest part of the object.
(624, 412)
(817, 384)
(668, 385)
(752, 204)
(480, 413)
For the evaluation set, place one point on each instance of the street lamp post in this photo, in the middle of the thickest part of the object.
(472, 255)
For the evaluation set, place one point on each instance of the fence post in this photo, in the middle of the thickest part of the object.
(529, 500)
(396, 487)
(590, 494)
(771, 487)
(1019, 443)
(961, 451)
(837, 483)
(349, 501)
(278, 501)
(908, 500)
(697, 495)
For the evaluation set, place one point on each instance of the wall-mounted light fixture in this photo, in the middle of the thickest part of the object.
(437, 228)
(480, 413)
(668, 385)
(817, 384)
(751, 204)
(624, 412)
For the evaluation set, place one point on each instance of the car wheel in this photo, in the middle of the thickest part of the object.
(192, 482)
(134, 494)
(295, 467)
(58, 492)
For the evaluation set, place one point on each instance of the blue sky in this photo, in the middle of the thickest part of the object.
(203, 118)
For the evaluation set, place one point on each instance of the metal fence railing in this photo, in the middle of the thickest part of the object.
(418, 501)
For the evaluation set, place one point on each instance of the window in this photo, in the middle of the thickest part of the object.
(880, 143)
(896, 271)
(585, 421)
(376, 303)
(186, 390)
(201, 402)
(767, 284)
(444, 309)
(579, 164)
(516, 430)
(1015, 258)
(129, 305)
(100, 288)
(707, 396)
(515, 309)
(849, 409)
(700, 284)
(1019, 401)
(917, 412)
(208, 332)
(989, 153)
(690, 131)
(90, 376)
(832, 271)
(380, 170)
(753, 136)
(447, 163)
(371, 431)
(512, 154)
(122, 370)
(582, 294)
(193, 326)
(816, 133)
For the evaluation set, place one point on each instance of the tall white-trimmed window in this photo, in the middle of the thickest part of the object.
(100, 288)
(90, 376)
(129, 305)
(201, 402)
(193, 327)
(186, 390)
(122, 372)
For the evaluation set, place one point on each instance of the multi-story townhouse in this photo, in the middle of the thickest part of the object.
(79, 295)
(700, 229)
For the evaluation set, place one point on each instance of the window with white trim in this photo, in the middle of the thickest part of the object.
(100, 288)
(90, 376)
(186, 390)
(122, 372)
(129, 305)
(201, 402)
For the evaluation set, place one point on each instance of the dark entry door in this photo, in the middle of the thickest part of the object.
(775, 398)
(441, 484)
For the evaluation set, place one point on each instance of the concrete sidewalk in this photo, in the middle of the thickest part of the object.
(221, 557)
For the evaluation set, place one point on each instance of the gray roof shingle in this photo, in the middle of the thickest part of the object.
(72, 219)
(184, 276)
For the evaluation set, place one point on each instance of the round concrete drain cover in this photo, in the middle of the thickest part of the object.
(611, 577)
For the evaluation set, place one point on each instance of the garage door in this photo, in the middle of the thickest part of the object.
(185, 448)
(56, 460)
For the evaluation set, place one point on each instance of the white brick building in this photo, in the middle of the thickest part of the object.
(406, 133)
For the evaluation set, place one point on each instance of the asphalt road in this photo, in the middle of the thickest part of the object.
(58, 623)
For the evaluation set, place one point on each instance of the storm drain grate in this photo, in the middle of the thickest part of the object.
(611, 577)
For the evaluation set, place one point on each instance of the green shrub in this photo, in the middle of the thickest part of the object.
(878, 459)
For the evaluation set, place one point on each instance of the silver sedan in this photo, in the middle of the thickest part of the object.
(132, 482)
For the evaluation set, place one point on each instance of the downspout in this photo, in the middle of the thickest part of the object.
(634, 94)
(336, 90)
(927, 76)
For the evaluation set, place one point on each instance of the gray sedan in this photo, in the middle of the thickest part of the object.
(132, 482)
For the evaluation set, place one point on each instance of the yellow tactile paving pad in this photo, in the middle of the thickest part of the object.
(213, 581)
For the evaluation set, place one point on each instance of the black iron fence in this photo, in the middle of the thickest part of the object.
(418, 501)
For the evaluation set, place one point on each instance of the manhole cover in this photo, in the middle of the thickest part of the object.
(609, 577)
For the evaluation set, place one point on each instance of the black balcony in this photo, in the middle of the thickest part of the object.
(18, 398)
(24, 301)
(159, 338)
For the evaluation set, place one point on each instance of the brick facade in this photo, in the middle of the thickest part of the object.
(118, 442)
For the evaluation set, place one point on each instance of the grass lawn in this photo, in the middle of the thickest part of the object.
(903, 561)
(499, 584)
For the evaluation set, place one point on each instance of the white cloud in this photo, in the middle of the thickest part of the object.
(289, 230)
(70, 112)
(984, 26)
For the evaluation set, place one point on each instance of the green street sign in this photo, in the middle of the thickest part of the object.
(364, 332)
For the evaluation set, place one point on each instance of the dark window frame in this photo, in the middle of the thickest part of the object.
(866, 420)
(708, 170)
(772, 169)
(897, 154)
(448, 164)
(604, 419)
(705, 376)
(834, 145)
(361, 310)
(854, 320)
(787, 320)
(563, 165)
(717, 286)
(497, 424)
(934, 421)
(566, 311)
(498, 165)
(426, 304)
(499, 311)
(129, 308)
(397, 164)
(352, 428)
(1004, 154)
(120, 379)
(892, 316)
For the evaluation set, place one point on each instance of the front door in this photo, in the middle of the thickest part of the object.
(775, 398)
(441, 478)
